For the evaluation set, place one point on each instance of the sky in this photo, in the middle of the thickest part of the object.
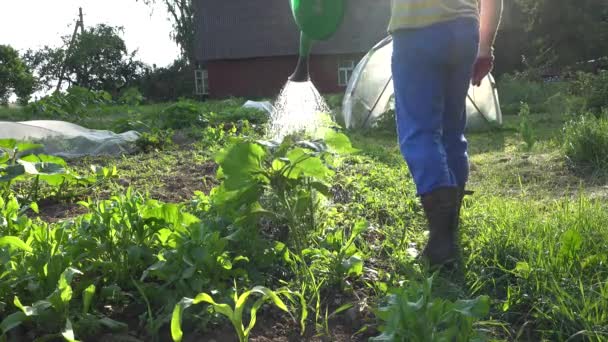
(31, 24)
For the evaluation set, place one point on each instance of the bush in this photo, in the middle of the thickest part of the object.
(252, 115)
(182, 114)
(594, 88)
(515, 89)
(188, 113)
(168, 84)
(155, 140)
(131, 97)
(586, 144)
(70, 106)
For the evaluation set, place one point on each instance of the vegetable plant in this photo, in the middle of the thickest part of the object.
(234, 314)
(412, 314)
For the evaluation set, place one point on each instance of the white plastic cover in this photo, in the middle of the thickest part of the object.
(68, 140)
(264, 105)
(370, 92)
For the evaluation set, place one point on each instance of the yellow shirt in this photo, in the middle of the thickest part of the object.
(408, 14)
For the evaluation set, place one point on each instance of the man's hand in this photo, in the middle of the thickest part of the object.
(483, 66)
(491, 11)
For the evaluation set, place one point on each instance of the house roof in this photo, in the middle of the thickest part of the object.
(238, 29)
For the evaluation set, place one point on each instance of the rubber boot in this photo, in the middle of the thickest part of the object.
(442, 207)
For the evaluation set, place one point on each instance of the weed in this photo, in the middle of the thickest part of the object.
(525, 126)
(594, 88)
(154, 140)
(586, 143)
(412, 314)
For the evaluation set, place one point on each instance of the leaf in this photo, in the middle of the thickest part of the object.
(26, 146)
(68, 333)
(353, 266)
(43, 158)
(339, 143)
(341, 309)
(68, 275)
(176, 318)
(360, 227)
(34, 207)
(11, 172)
(571, 242)
(224, 261)
(307, 165)
(66, 295)
(241, 164)
(272, 295)
(14, 243)
(8, 144)
(253, 315)
(36, 309)
(170, 213)
(87, 298)
(476, 308)
(29, 168)
(322, 188)
(4, 157)
(240, 258)
(522, 269)
(12, 321)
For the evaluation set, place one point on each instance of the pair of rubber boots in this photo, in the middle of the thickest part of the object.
(442, 209)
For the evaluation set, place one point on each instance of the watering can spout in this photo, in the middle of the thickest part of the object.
(301, 73)
(317, 20)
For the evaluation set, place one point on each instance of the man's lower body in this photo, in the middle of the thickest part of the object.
(432, 69)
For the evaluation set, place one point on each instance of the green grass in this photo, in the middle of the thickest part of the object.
(533, 236)
(533, 233)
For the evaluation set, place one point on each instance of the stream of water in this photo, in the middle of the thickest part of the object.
(298, 109)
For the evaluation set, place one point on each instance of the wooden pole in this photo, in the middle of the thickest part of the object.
(79, 24)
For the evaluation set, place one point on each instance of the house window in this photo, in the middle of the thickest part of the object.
(202, 82)
(345, 71)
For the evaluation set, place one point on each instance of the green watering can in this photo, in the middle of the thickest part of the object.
(317, 20)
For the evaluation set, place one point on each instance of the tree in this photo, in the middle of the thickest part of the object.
(98, 60)
(15, 76)
(566, 32)
(181, 13)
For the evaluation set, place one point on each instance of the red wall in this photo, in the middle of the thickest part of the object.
(264, 77)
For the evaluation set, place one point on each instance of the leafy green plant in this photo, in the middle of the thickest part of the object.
(155, 140)
(235, 315)
(526, 129)
(17, 165)
(337, 257)
(58, 300)
(292, 172)
(412, 314)
(74, 105)
(586, 143)
(125, 230)
(183, 114)
(131, 97)
(238, 113)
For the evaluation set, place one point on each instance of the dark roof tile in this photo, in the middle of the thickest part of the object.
(237, 29)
